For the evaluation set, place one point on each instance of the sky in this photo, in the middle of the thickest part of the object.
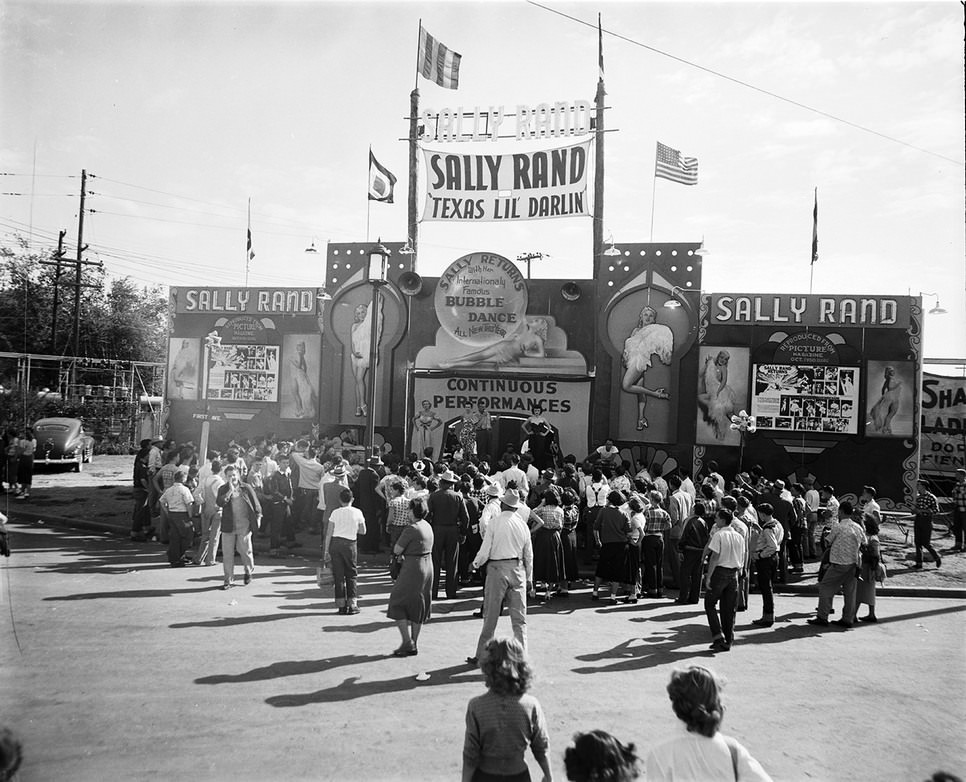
(182, 112)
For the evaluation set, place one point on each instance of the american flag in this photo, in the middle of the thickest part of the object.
(438, 63)
(670, 165)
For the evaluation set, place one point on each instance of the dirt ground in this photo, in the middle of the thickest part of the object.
(101, 493)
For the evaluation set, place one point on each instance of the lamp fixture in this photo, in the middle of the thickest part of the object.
(378, 263)
(937, 310)
(407, 249)
(611, 249)
(323, 295)
(702, 250)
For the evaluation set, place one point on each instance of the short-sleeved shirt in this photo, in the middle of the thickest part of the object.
(346, 522)
(730, 546)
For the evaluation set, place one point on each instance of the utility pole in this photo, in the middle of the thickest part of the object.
(79, 263)
(57, 259)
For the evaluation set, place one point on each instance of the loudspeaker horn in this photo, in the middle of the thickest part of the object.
(570, 291)
(410, 283)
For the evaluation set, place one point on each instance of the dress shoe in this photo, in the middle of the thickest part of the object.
(472, 661)
(720, 646)
(842, 623)
(226, 586)
(817, 621)
(869, 618)
(405, 651)
(248, 579)
(343, 610)
(352, 610)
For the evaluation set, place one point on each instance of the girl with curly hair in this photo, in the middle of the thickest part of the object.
(699, 753)
(597, 756)
(505, 720)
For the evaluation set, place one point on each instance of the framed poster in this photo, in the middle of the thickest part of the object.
(806, 398)
(299, 381)
(722, 393)
(243, 373)
(889, 399)
(183, 364)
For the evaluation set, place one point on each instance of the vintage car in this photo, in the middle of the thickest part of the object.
(63, 441)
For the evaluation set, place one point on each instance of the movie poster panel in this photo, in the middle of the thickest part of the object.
(299, 378)
(806, 398)
(722, 393)
(890, 399)
(243, 373)
(943, 428)
(183, 366)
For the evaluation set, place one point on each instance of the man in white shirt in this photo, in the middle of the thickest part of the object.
(765, 557)
(679, 507)
(508, 554)
(687, 485)
(176, 501)
(207, 494)
(728, 555)
(514, 473)
(812, 502)
(345, 525)
(307, 491)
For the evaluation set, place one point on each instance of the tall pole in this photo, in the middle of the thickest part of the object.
(413, 161)
(373, 360)
(599, 157)
(80, 262)
(53, 325)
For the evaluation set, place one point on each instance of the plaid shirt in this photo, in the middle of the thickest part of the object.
(399, 513)
(959, 496)
(926, 503)
(656, 521)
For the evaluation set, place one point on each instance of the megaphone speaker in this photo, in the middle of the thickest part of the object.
(410, 283)
(570, 291)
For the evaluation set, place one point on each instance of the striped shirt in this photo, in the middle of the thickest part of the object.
(498, 730)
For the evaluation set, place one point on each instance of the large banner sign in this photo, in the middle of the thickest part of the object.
(943, 444)
(811, 310)
(519, 186)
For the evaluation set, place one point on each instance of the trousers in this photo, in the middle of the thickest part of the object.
(239, 541)
(837, 576)
(446, 554)
(345, 570)
(723, 590)
(652, 569)
(505, 580)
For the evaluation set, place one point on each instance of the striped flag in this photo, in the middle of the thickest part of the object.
(436, 62)
(815, 229)
(381, 181)
(670, 165)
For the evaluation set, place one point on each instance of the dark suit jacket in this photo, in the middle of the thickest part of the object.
(227, 514)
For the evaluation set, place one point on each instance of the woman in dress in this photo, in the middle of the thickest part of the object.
(568, 538)
(529, 342)
(425, 422)
(885, 409)
(410, 601)
(716, 398)
(699, 753)
(502, 722)
(466, 431)
(306, 400)
(648, 339)
(546, 522)
(870, 566)
(611, 531)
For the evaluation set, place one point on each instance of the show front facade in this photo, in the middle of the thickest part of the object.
(640, 355)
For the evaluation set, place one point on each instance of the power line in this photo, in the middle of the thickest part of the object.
(750, 86)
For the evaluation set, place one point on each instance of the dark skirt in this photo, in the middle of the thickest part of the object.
(568, 541)
(612, 565)
(548, 563)
(411, 596)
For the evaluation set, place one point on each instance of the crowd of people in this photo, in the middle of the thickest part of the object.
(518, 531)
(17, 451)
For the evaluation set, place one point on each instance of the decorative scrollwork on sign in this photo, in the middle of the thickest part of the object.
(703, 315)
(915, 331)
(910, 472)
(698, 461)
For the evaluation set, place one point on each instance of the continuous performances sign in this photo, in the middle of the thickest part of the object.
(514, 187)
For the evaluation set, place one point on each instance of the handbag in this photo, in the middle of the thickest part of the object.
(881, 574)
(395, 566)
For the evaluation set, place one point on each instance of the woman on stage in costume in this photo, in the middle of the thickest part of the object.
(529, 342)
(649, 338)
(466, 431)
(716, 398)
(424, 423)
(885, 409)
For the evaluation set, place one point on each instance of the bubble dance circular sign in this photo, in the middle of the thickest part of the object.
(481, 299)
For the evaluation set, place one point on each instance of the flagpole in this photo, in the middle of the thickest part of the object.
(368, 199)
(653, 197)
(412, 219)
(598, 237)
(811, 267)
(248, 240)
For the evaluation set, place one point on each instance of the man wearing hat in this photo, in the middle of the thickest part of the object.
(371, 503)
(508, 555)
(333, 482)
(450, 521)
(927, 506)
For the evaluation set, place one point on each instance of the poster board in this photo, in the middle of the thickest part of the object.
(810, 398)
